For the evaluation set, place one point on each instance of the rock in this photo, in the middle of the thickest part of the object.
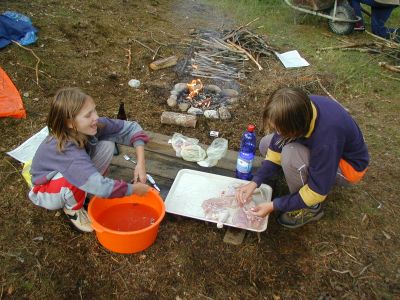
(224, 113)
(180, 87)
(211, 114)
(183, 106)
(195, 111)
(212, 88)
(229, 93)
(171, 101)
(134, 83)
(232, 100)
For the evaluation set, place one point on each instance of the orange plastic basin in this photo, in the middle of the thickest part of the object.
(128, 224)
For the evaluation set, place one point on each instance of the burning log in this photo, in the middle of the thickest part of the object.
(172, 118)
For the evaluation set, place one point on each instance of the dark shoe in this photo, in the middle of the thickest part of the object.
(359, 27)
(298, 218)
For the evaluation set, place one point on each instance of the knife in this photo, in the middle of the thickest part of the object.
(149, 177)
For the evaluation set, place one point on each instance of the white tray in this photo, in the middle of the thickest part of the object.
(191, 188)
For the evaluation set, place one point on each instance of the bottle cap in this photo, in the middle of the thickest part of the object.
(251, 127)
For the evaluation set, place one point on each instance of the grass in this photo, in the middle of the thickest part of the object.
(358, 71)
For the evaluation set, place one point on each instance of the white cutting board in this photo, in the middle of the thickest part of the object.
(191, 188)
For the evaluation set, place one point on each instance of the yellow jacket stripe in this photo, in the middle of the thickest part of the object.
(310, 197)
(273, 156)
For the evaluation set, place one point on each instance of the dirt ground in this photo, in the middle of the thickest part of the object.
(352, 253)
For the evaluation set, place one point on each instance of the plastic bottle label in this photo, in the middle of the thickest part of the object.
(244, 165)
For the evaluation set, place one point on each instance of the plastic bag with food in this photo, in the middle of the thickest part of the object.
(215, 152)
(180, 141)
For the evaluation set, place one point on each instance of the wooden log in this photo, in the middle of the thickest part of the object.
(164, 63)
(173, 118)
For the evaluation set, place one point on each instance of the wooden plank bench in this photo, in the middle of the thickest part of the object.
(163, 165)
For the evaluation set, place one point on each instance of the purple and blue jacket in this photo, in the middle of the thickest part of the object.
(333, 135)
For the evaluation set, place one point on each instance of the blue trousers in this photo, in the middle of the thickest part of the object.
(380, 13)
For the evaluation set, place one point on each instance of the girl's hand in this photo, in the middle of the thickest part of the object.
(263, 209)
(140, 188)
(244, 192)
(140, 173)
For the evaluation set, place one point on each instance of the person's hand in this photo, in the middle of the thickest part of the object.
(139, 174)
(244, 192)
(140, 188)
(263, 209)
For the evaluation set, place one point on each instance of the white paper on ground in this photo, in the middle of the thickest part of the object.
(27, 149)
(292, 59)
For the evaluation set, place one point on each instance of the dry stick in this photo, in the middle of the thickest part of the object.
(147, 47)
(385, 65)
(389, 42)
(329, 94)
(348, 46)
(155, 54)
(37, 62)
(151, 34)
(129, 57)
(240, 27)
(390, 77)
(247, 53)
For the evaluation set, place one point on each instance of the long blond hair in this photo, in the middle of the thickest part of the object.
(288, 111)
(64, 107)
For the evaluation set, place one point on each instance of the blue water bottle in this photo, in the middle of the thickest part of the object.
(247, 151)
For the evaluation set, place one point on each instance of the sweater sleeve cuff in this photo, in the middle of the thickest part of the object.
(129, 191)
(257, 180)
(277, 204)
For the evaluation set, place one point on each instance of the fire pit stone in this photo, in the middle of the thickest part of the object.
(224, 113)
(211, 114)
(196, 99)
(195, 111)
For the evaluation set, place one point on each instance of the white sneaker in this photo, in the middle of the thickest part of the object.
(80, 219)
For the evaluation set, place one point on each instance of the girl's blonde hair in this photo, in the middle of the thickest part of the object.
(289, 112)
(64, 107)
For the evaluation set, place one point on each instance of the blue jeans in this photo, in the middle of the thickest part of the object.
(380, 13)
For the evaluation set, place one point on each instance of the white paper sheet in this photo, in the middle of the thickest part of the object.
(292, 59)
(27, 149)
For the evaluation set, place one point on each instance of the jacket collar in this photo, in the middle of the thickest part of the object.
(312, 123)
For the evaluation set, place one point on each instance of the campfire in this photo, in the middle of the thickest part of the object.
(198, 99)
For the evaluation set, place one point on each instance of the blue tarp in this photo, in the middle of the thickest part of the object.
(16, 27)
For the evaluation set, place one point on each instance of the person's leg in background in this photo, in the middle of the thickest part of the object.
(356, 4)
(379, 15)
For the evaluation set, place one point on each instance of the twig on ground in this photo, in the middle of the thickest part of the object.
(129, 57)
(147, 47)
(329, 94)
(37, 58)
(162, 44)
(390, 77)
(247, 53)
(155, 54)
(386, 66)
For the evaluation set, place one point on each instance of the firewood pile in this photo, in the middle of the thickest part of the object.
(222, 55)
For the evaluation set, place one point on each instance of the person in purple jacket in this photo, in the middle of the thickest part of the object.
(72, 161)
(317, 144)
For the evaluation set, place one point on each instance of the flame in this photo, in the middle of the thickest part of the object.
(194, 88)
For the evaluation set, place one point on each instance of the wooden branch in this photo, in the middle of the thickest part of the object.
(129, 57)
(329, 94)
(348, 46)
(247, 53)
(147, 47)
(386, 66)
(37, 62)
